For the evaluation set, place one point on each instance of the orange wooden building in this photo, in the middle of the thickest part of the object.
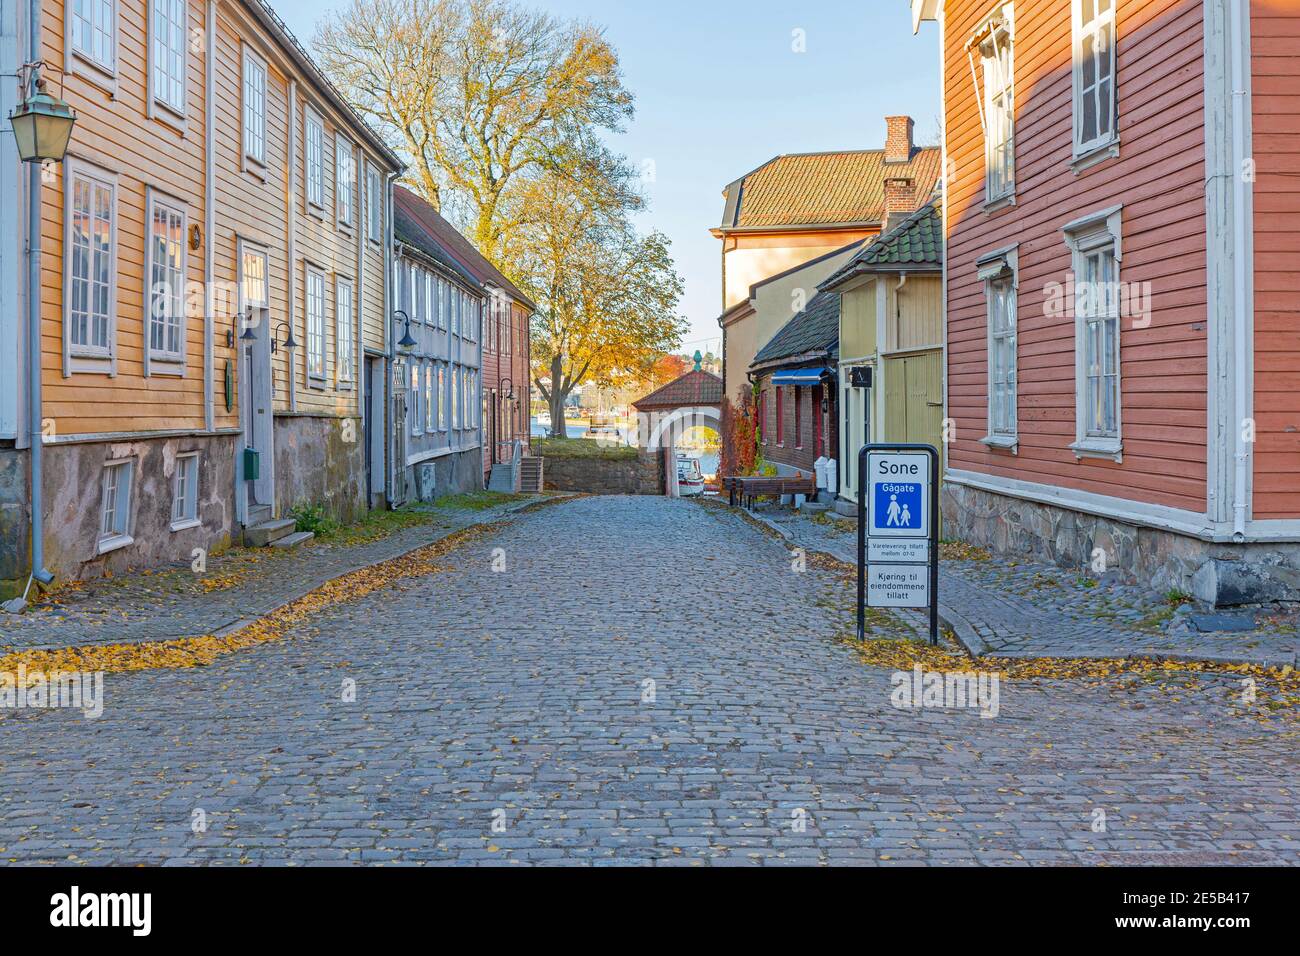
(218, 199)
(1120, 207)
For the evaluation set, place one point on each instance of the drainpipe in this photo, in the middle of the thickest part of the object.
(1240, 324)
(39, 571)
(209, 214)
(291, 241)
(388, 339)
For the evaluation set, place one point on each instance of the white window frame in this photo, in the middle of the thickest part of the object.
(1002, 268)
(253, 110)
(415, 411)
(82, 59)
(443, 397)
(164, 361)
(116, 481)
(1102, 25)
(430, 405)
(429, 314)
(84, 356)
(1086, 236)
(185, 498)
(316, 335)
(344, 331)
(345, 180)
(374, 204)
(999, 182)
(168, 51)
(313, 141)
(472, 307)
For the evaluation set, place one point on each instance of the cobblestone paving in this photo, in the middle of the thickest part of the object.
(523, 699)
(242, 584)
(1025, 609)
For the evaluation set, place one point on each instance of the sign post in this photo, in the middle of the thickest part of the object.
(898, 530)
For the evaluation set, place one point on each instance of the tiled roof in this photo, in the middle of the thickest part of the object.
(916, 243)
(696, 387)
(815, 329)
(409, 233)
(819, 189)
(417, 217)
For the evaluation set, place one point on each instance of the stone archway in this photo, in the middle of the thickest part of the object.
(663, 417)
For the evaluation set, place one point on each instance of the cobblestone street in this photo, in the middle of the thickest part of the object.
(668, 687)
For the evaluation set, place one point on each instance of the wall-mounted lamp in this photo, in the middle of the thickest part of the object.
(42, 124)
(407, 342)
(288, 343)
(248, 334)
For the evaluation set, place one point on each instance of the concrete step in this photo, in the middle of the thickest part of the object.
(530, 476)
(268, 532)
(258, 514)
(293, 540)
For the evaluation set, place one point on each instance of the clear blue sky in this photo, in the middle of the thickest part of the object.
(720, 91)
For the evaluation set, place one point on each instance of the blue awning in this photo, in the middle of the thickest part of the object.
(801, 376)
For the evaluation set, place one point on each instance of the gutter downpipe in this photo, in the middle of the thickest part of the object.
(210, 214)
(39, 571)
(1241, 367)
(291, 243)
(390, 471)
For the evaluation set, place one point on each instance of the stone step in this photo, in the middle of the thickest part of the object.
(530, 475)
(258, 514)
(268, 532)
(293, 540)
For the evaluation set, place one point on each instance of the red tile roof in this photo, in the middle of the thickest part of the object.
(693, 388)
(418, 213)
(823, 189)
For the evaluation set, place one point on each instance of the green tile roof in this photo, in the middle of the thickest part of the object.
(915, 244)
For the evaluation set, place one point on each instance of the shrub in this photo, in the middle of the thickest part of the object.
(313, 518)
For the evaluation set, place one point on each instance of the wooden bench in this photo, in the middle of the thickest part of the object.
(750, 489)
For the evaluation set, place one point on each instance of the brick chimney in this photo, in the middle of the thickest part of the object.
(898, 139)
(900, 200)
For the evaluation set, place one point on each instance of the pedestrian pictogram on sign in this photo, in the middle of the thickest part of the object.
(899, 495)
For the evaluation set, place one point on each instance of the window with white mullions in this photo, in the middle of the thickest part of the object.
(115, 506)
(166, 254)
(343, 339)
(169, 24)
(344, 180)
(185, 492)
(92, 252)
(1094, 74)
(254, 109)
(315, 324)
(94, 31)
(1097, 296)
(315, 159)
(999, 107)
(1002, 357)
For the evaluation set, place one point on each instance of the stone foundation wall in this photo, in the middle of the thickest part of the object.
(643, 476)
(319, 460)
(73, 479)
(452, 474)
(1219, 574)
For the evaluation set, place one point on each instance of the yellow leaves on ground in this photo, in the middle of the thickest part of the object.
(199, 651)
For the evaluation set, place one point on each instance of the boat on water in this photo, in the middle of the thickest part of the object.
(690, 479)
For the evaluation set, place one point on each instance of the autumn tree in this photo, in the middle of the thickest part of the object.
(482, 98)
(606, 295)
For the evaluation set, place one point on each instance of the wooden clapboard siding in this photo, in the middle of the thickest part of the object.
(1275, 84)
(1159, 179)
(116, 133)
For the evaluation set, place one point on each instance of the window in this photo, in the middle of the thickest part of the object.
(417, 419)
(798, 420)
(254, 108)
(165, 255)
(253, 279)
(1002, 357)
(93, 27)
(315, 324)
(90, 266)
(456, 304)
(185, 492)
(345, 174)
(507, 327)
(999, 106)
(455, 397)
(1095, 244)
(315, 160)
(169, 28)
(416, 305)
(115, 506)
(1094, 75)
(343, 339)
(818, 419)
(471, 318)
(442, 398)
(374, 205)
(429, 402)
(780, 415)
(430, 310)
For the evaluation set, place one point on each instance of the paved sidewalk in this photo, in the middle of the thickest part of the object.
(1001, 607)
(237, 587)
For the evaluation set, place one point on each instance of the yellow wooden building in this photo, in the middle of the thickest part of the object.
(891, 331)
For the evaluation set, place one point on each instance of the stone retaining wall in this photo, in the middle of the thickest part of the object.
(598, 476)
